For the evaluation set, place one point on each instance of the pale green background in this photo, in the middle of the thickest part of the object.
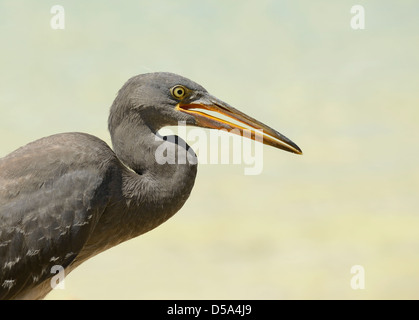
(348, 98)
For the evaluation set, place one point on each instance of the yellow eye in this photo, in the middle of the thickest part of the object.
(178, 92)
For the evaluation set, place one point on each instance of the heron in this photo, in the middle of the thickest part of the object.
(68, 197)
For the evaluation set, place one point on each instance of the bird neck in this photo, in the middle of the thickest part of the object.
(135, 145)
(156, 183)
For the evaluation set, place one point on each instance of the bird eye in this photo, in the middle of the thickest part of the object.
(178, 92)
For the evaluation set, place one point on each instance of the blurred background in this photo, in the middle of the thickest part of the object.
(349, 98)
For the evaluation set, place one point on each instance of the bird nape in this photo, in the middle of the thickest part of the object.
(67, 197)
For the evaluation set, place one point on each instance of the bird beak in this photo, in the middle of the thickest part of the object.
(263, 133)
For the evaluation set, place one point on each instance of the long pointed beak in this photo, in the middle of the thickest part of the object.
(262, 133)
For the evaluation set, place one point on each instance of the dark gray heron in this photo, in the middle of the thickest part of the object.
(67, 197)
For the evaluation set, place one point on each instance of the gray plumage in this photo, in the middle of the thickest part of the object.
(67, 197)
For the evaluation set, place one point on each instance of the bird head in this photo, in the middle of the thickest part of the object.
(166, 99)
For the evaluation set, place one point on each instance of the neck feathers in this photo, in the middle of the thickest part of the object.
(156, 185)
